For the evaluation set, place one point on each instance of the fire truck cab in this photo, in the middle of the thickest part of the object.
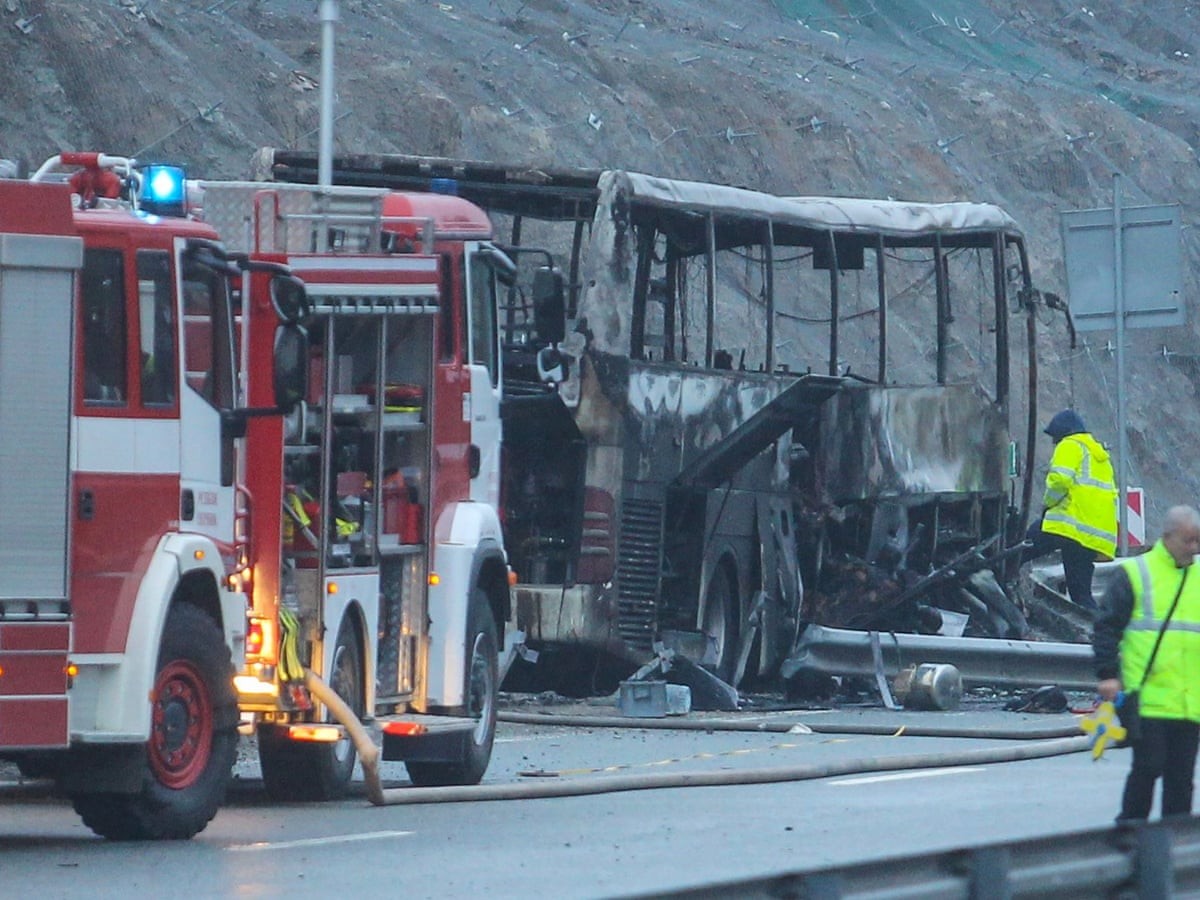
(122, 526)
(376, 558)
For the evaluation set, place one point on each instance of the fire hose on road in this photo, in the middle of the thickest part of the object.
(607, 784)
(1035, 744)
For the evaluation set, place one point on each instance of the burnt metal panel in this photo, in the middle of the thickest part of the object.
(724, 459)
(888, 442)
(675, 416)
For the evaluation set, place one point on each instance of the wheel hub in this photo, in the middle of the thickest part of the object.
(181, 726)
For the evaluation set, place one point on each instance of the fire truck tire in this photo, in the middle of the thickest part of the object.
(294, 771)
(722, 621)
(482, 687)
(193, 740)
(36, 767)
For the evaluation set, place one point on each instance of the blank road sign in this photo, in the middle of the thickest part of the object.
(1151, 261)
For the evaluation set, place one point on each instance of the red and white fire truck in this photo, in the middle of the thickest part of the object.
(375, 555)
(122, 525)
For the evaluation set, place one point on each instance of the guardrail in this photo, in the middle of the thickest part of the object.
(1153, 861)
(980, 661)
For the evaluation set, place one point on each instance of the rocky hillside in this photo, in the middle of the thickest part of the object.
(1033, 105)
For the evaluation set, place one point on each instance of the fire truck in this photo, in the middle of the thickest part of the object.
(232, 486)
(122, 616)
(375, 557)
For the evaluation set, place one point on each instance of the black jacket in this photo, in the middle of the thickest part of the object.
(1116, 608)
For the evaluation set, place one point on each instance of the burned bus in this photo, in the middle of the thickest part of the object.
(751, 412)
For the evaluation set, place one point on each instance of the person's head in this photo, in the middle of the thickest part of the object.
(1064, 423)
(1181, 534)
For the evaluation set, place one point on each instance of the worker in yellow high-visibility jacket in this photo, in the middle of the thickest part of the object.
(1147, 640)
(1080, 518)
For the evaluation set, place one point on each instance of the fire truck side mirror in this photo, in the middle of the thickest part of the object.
(289, 298)
(549, 305)
(291, 366)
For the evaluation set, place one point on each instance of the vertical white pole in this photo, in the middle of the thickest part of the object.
(1119, 298)
(329, 16)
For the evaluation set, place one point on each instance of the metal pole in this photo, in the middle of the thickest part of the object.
(769, 285)
(329, 16)
(1119, 297)
(881, 286)
(943, 306)
(834, 305)
(710, 287)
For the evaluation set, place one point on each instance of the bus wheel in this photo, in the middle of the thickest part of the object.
(192, 745)
(721, 625)
(295, 770)
(482, 687)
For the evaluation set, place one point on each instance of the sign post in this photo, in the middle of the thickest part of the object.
(1119, 315)
(1123, 271)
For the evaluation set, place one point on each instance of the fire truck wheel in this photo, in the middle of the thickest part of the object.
(193, 739)
(721, 625)
(483, 684)
(37, 767)
(294, 771)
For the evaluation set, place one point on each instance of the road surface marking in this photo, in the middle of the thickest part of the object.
(899, 776)
(318, 842)
(524, 738)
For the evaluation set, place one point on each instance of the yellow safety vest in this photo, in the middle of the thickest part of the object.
(1081, 494)
(1172, 689)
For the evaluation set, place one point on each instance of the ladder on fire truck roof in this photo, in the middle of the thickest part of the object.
(257, 217)
(318, 230)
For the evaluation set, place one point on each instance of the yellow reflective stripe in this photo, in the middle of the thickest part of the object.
(1155, 625)
(1085, 470)
(1053, 515)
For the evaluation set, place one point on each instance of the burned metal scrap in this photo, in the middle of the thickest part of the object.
(904, 518)
(853, 593)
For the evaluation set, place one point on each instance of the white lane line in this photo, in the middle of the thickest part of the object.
(528, 738)
(900, 776)
(318, 842)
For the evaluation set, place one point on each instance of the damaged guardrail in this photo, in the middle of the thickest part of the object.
(1151, 862)
(994, 662)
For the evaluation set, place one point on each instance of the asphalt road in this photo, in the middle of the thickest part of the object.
(605, 845)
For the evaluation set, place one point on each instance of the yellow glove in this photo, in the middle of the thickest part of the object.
(1103, 726)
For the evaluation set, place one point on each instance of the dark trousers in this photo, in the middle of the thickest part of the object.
(1167, 750)
(1078, 562)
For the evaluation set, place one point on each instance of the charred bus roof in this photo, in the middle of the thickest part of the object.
(566, 193)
